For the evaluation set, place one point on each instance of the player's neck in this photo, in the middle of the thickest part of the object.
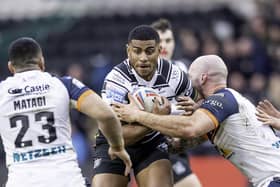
(213, 88)
(20, 70)
(149, 77)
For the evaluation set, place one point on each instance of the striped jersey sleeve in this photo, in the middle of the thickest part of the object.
(116, 86)
(182, 82)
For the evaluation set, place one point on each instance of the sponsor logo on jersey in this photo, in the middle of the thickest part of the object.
(276, 144)
(30, 89)
(115, 96)
(214, 103)
(38, 153)
(14, 90)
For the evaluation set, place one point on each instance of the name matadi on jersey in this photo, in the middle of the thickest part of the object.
(168, 81)
(34, 115)
(241, 138)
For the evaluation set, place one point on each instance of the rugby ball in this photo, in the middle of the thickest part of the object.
(145, 98)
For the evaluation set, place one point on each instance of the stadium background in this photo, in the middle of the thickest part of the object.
(85, 38)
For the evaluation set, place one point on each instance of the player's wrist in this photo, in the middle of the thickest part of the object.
(140, 114)
(117, 147)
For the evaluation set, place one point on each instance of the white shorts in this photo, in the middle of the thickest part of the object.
(45, 175)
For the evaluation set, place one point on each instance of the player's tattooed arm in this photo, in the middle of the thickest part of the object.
(177, 145)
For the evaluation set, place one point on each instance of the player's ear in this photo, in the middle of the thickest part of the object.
(203, 78)
(127, 47)
(128, 50)
(42, 63)
(159, 47)
(11, 67)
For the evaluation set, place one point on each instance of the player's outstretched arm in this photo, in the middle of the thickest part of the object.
(177, 145)
(93, 106)
(172, 125)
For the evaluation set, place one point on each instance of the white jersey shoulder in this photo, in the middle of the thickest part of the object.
(248, 144)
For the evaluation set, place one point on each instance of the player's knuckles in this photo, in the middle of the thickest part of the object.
(181, 103)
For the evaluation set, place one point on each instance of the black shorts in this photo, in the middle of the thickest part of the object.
(141, 156)
(180, 166)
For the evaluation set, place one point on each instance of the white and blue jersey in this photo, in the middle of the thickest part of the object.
(241, 138)
(168, 81)
(35, 128)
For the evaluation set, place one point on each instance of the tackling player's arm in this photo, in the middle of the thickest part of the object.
(91, 104)
(86, 101)
(172, 125)
(192, 126)
(211, 113)
(108, 122)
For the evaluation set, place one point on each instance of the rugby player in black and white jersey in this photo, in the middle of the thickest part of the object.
(147, 148)
(183, 175)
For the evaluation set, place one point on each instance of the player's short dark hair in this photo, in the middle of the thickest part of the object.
(24, 51)
(162, 25)
(143, 32)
